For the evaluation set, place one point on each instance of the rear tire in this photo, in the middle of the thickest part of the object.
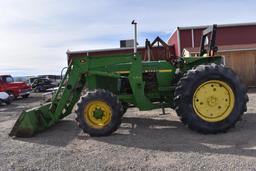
(232, 98)
(98, 113)
(25, 96)
(36, 90)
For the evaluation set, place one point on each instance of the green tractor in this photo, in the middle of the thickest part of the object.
(207, 96)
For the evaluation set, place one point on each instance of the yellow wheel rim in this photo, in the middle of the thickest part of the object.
(213, 101)
(97, 114)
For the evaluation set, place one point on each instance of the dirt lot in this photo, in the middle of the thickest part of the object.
(145, 141)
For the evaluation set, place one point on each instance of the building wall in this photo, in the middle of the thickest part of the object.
(173, 40)
(244, 64)
(225, 36)
(236, 35)
(229, 35)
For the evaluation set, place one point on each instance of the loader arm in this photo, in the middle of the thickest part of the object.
(40, 118)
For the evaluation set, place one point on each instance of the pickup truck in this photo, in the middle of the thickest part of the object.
(14, 89)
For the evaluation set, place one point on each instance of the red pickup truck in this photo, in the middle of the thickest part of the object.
(14, 89)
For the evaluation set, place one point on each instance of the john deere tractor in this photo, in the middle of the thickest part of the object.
(207, 96)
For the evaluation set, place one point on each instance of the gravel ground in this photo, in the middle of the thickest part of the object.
(145, 141)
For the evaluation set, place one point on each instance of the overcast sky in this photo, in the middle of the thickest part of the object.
(35, 34)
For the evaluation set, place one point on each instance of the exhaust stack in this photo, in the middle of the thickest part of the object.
(135, 36)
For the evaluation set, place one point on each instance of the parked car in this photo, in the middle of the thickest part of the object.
(55, 79)
(42, 85)
(14, 89)
(5, 98)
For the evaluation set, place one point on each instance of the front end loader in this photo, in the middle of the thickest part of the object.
(207, 96)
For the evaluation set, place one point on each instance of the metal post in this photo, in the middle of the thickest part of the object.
(135, 36)
(147, 45)
(193, 39)
(179, 48)
(148, 53)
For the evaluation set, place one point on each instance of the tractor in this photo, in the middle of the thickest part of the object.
(207, 96)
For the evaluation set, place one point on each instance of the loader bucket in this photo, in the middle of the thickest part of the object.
(33, 121)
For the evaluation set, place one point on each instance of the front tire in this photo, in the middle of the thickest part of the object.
(8, 101)
(210, 98)
(12, 95)
(98, 113)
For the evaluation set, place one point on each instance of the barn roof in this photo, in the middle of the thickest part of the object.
(219, 25)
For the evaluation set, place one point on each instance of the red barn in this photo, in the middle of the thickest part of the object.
(236, 42)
